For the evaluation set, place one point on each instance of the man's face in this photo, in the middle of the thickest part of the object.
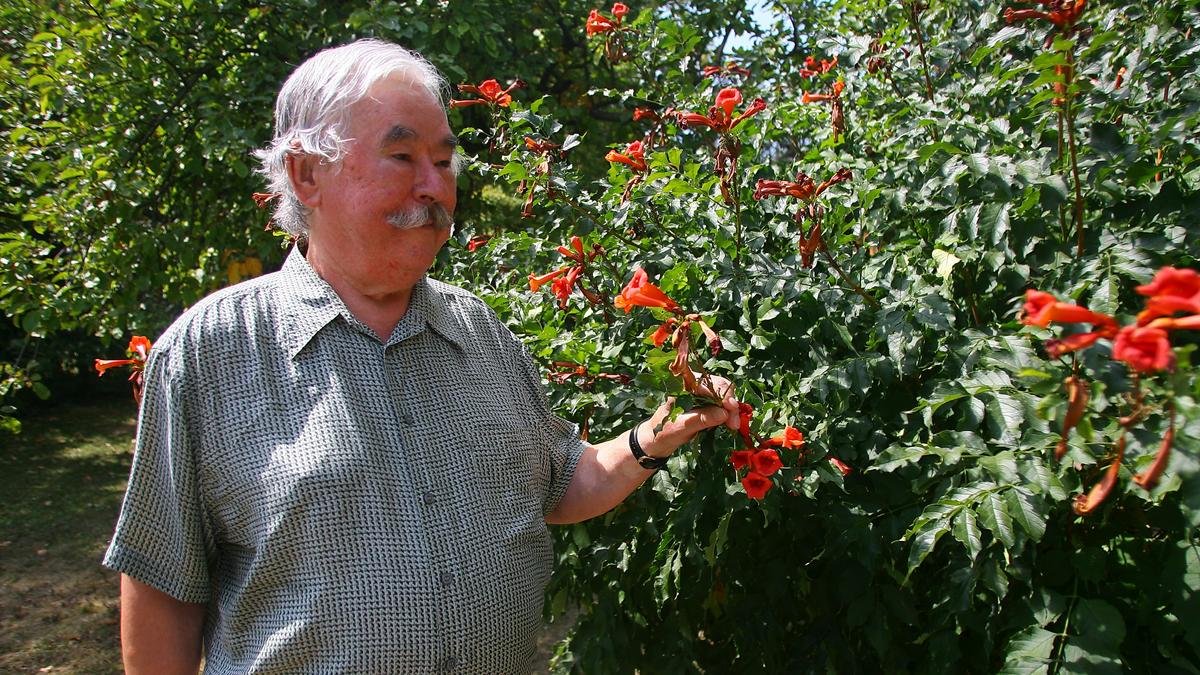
(399, 159)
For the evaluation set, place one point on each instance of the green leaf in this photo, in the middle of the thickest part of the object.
(1025, 510)
(966, 531)
(1029, 652)
(993, 513)
(924, 541)
(1094, 645)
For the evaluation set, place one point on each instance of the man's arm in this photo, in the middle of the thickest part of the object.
(159, 634)
(608, 472)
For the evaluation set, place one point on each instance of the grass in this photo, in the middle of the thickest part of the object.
(62, 480)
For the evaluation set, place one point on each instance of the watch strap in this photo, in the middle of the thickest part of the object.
(644, 460)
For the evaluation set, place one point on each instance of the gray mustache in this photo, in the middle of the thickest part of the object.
(420, 216)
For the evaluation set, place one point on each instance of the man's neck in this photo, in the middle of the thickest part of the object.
(380, 311)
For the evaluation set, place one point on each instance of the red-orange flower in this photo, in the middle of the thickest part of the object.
(731, 67)
(634, 156)
(765, 462)
(139, 351)
(1149, 478)
(645, 114)
(598, 23)
(477, 242)
(740, 458)
(836, 90)
(789, 439)
(490, 93)
(664, 331)
(804, 187)
(756, 485)
(1043, 308)
(812, 67)
(720, 116)
(1172, 290)
(1063, 13)
(103, 365)
(841, 466)
(1145, 349)
(1085, 504)
(745, 414)
(640, 292)
(537, 281)
(1078, 391)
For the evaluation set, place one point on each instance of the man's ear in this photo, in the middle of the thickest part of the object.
(301, 169)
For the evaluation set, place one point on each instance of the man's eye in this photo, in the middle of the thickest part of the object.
(403, 157)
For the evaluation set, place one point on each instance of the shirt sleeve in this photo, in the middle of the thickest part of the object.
(561, 445)
(162, 538)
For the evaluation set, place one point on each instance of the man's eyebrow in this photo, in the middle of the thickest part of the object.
(399, 133)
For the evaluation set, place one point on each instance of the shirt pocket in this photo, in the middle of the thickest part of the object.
(513, 474)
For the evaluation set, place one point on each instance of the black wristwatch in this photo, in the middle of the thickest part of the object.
(644, 460)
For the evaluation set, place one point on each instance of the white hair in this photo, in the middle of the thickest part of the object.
(312, 111)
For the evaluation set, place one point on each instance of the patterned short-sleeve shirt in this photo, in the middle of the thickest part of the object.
(344, 505)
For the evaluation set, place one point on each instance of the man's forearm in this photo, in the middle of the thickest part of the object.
(159, 634)
(605, 476)
(608, 472)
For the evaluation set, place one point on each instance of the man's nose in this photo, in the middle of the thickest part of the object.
(433, 183)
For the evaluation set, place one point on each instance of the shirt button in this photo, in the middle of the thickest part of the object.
(446, 578)
(406, 419)
(449, 664)
(427, 498)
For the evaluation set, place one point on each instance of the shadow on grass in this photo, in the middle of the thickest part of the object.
(62, 479)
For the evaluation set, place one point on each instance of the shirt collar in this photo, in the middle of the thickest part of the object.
(313, 304)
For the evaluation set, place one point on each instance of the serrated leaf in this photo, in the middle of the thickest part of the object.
(923, 543)
(993, 514)
(966, 531)
(1025, 511)
(945, 262)
(1029, 652)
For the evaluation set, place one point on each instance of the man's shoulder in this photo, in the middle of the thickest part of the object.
(233, 309)
(457, 299)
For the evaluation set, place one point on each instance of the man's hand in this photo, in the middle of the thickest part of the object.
(661, 437)
(608, 472)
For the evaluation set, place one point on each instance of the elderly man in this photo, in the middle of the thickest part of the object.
(346, 466)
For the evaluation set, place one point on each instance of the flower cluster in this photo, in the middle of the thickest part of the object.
(1144, 347)
(138, 351)
(634, 156)
(837, 114)
(721, 115)
(762, 460)
(611, 28)
(489, 92)
(812, 67)
(1061, 13)
(806, 190)
(564, 279)
(730, 68)
(598, 23)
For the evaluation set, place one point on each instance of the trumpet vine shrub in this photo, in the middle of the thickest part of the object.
(915, 249)
(946, 252)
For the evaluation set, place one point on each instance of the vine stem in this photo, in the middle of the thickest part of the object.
(846, 278)
(1071, 145)
(916, 26)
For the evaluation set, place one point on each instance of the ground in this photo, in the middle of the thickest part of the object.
(62, 480)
